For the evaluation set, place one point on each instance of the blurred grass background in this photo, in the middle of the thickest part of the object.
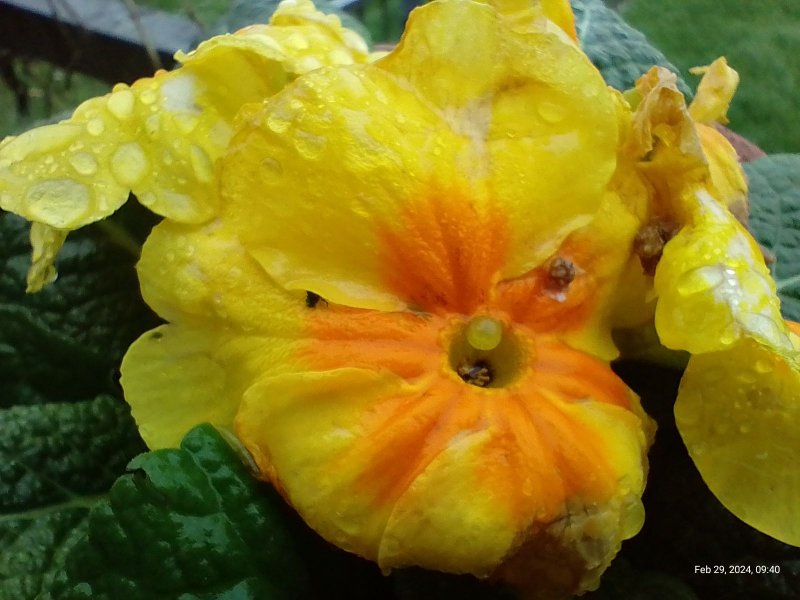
(761, 39)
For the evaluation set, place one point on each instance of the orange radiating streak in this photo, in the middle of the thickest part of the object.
(443, 254)
(575, 375)
(403, 343)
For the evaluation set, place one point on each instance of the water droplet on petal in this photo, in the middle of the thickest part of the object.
(551, 112)
(83, 163)
(272, 165)
(763, 366)
(201, 164)
(309, 145)
(121, 104)
(58, 202)
(297, 41)
(147, 96)
(129, 164)
(186, 122)
(729, 335)
(747, 377)
(152, 125)
(95, 126)
(700, 280)
(484, 333)
(278, 122)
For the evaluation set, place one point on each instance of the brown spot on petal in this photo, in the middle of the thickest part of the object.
(560, 273)
(649, 243)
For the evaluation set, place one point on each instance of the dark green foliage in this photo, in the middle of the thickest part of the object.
(622, 53)
(187, 523)
(775, 221)
(66, 342)
(55, 461)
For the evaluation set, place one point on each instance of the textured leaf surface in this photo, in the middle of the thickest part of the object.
(775, 221)
(187, 523)
(65, 342)
(56, 460)
(621, 52)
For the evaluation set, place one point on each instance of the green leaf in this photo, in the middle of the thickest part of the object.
(56, 461)
(622, 53)
(775, 221)
(188, 523)
(65, 342)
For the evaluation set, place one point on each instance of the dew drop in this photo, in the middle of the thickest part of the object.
(729, 335)
(152, 125)
(721, 428)
(308, 63)
(309, 145)
(147, 96)
(297, 41)
(687, 418)
(201, 164)
(83, 163)
(147, 199)
(744, 428)
(278, 122)
(121, 104)
(272, 165)
(95, 126)
(551, 112)
(763, 366)
(57, 202)
(747, 377)
(186, 122)
(484, 333)
(699, 280)
(42, 140)
(129, 164)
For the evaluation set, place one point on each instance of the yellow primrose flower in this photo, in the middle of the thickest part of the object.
(160, 137)
(396, 279)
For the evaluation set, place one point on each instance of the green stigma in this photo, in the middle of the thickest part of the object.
(484, 333)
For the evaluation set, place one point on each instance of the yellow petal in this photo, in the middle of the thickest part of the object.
(230, 325)
(46, 243)
(332, 160)
(539, 114)
(713, 286)
(421, 468)
(160, 138)
(728, 183)
(715, 92)
(738, 413)
(362, 150)
(522, 11)
(176, 377)
(201, 274)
